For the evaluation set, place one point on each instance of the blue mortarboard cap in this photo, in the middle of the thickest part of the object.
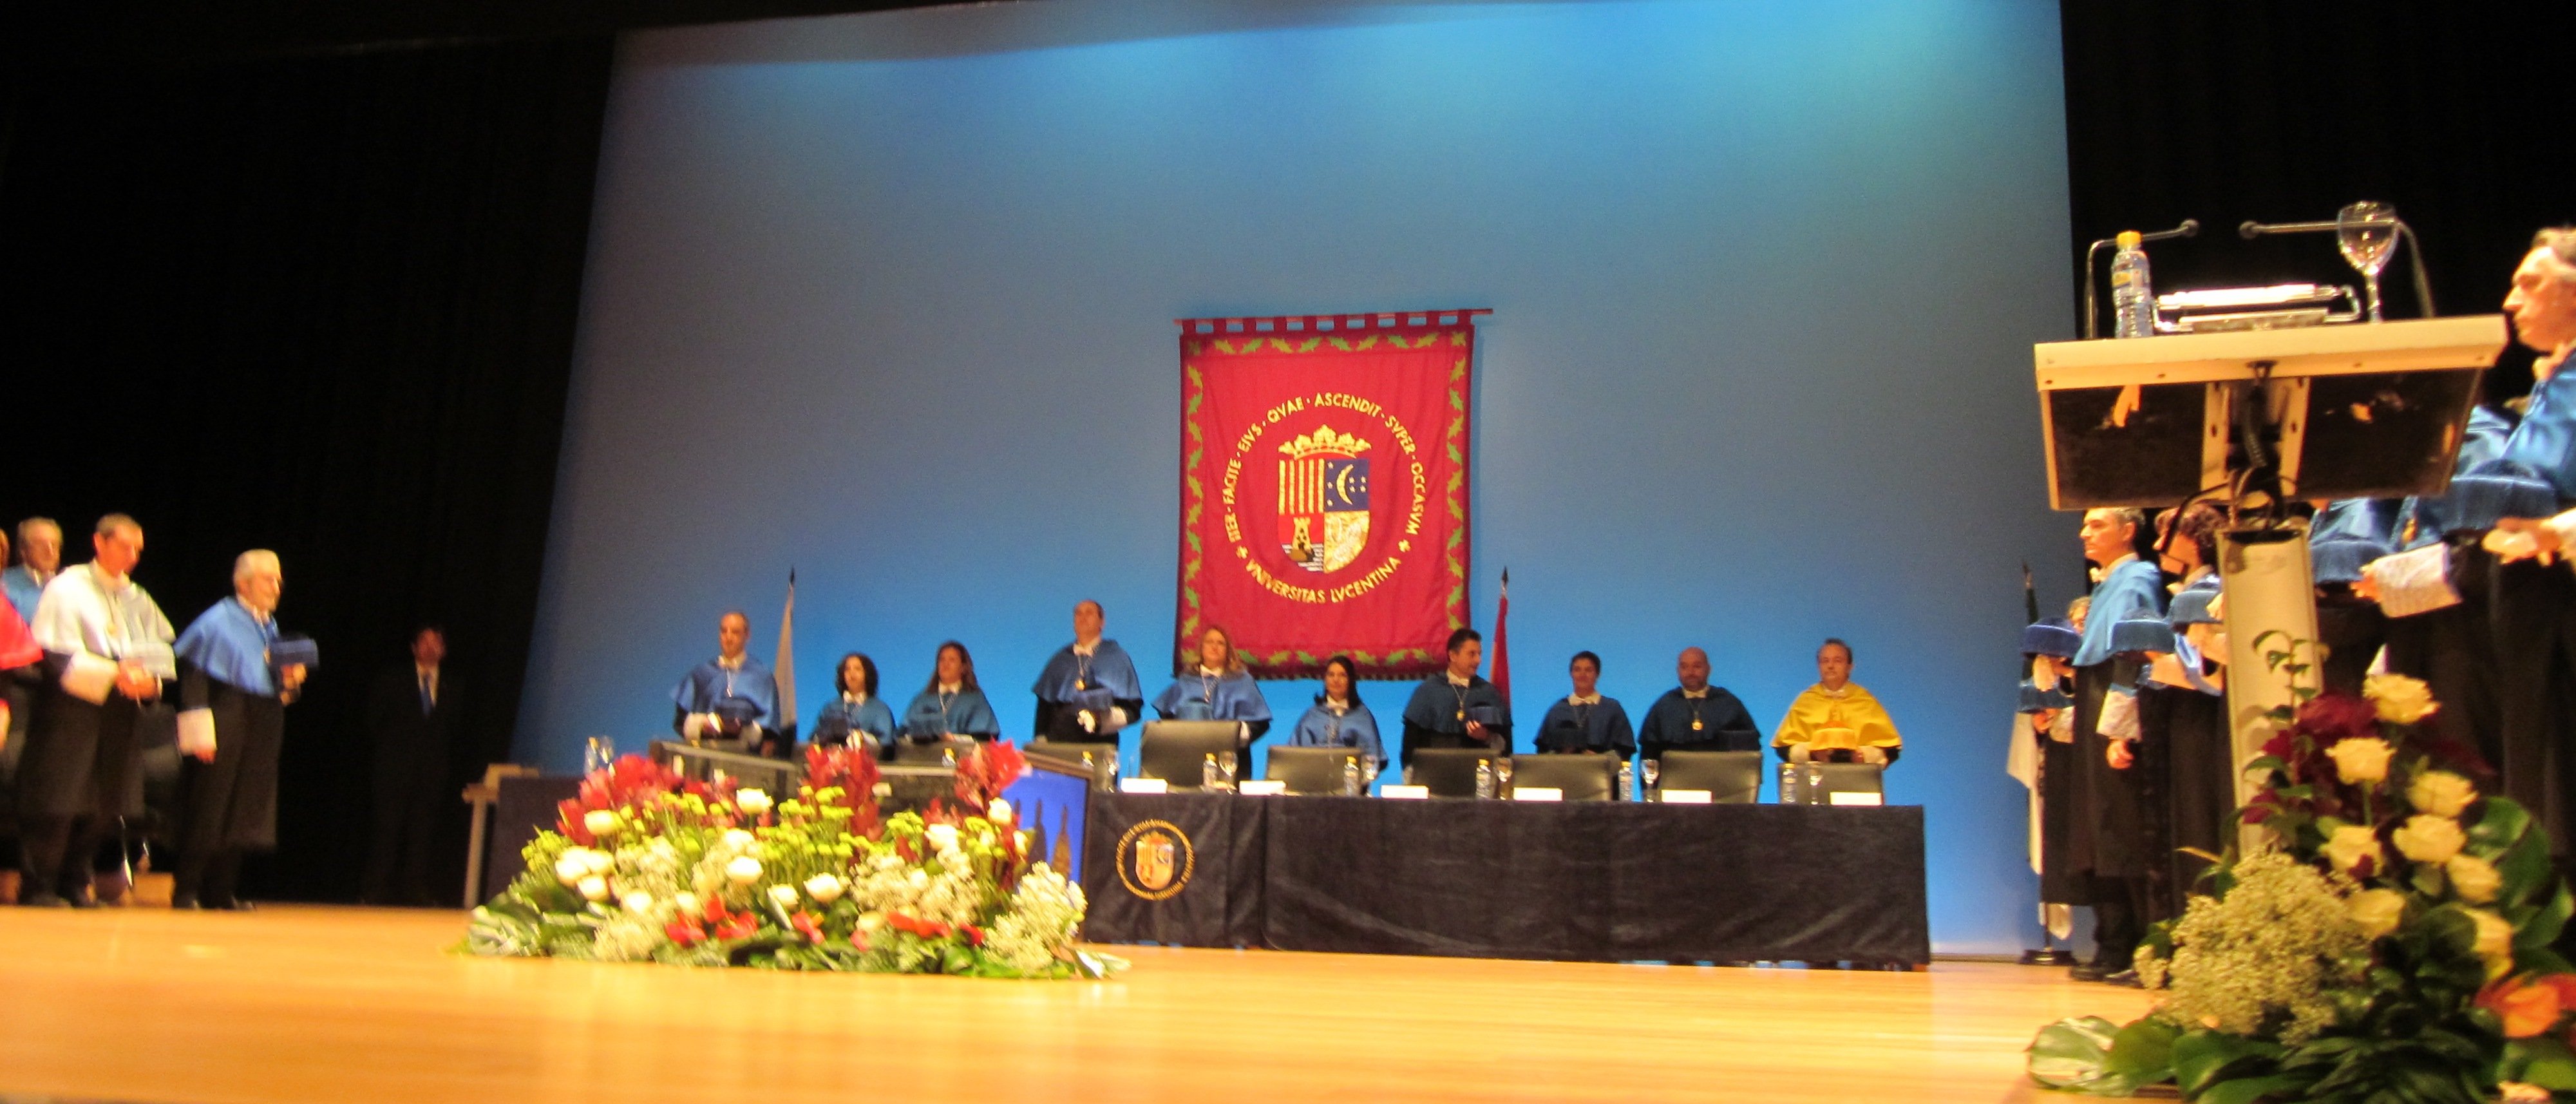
(2034, 699)
(2053, 637)
(2142, 634)
(2191, 607)
(2340, 560)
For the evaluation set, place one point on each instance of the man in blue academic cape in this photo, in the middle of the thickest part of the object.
(1696, 716)
(236, 676)
(730, 697)
(1585, 722)
(2108, 845)
(1089, 689)
(40, 558)
(1457, 708)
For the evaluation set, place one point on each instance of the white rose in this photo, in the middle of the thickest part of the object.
(2441, 793)
(918, 879)
(598, 862)
(1020, 841)
(2473, 878)
(2350, 844)
(2376, 911)
(2361, 759)
(737, 839)
(999, 812)
(593, 888)
(685, 901)
(637, 901)
(941, 836)
(754, 802)
(825, 888)
(570, 868)
(2495, 942)
(785, 895)
(601, 822)
(2429, 839)
(743, 869)
(2399, 699)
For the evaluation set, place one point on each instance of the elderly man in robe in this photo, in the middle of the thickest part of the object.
(1836, 721)
(40, 558)
(236, 676)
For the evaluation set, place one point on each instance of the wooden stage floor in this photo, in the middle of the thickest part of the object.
(366, 1006)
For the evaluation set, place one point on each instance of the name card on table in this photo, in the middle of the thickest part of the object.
(1840, 798)
(1686, 797)
(1405, 793)
(1261, 787)
(1144, 785)
(1538, 793)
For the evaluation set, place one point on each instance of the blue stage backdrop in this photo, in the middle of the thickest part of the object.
(888, 298)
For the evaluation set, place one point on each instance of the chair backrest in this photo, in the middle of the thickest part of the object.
(1582, 777)
(1834, 778)
(1310, 770)
(1177, 751)
(911, 753)
(1730, 777)
(1449, 772)
(1071, 751)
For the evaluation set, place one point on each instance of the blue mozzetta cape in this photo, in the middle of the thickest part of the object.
(1096, 682)
(2133, 589)
(838, 719)
(744, 696)
(230, 645)
(964, 712)
(1321, 727)
(1232, 696)
(1436, 704)
(2546, 440)
(1601, 727)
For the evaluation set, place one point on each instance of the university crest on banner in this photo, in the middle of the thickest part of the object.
(1324, 488)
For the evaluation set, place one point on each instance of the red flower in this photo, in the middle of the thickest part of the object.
(986, 771)
(974, 935)
(2528, 1006)
(2333, 716)
(805, 926)
(685, 932)
(926, 929)
(859, 938)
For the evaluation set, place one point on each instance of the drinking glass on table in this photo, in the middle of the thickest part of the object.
(598, 755)
(1225, 765)
(1503, 777)
(2366, 232)
(1654, 770)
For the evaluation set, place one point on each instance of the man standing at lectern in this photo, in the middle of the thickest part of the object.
(730, 697)
(1089, 688)
(2107, 841)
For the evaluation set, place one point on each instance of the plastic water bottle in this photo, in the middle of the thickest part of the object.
(1484, 778)
(1351, 776)
(1788, 783)
(1207, 772)
(2133, 294)
(1627, 781)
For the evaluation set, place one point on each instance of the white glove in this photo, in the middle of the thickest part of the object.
(695, 726)
(1084, 716)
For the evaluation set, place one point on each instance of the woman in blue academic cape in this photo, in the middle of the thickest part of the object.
(855, 711)
(952, 705)
(1218, 688)
(1585, 723)
(1337, 718)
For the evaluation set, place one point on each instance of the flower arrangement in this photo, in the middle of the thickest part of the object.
(645, 865)
(2394, 944)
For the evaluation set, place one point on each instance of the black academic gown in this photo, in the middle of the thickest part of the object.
(2058, 882)
(83, 760)
(2185, 756)
(1723, 724)
(231, 803)
(2104, 840)
(2453, 650)
(2532, 605)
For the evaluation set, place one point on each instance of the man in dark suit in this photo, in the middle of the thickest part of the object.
(410, 712)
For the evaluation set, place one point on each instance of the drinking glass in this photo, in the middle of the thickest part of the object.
(2367, 234)
(1502, 777)
(1654, 769)
(1225, 766)
(598, 755)
(1368, 771)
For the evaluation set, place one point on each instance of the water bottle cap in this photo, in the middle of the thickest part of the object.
(2129, 239)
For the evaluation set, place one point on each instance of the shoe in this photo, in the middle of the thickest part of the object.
(2127, 978)
(81, 900)
(184, 902)
(237, 905)
(43, 900)
(2089, 972)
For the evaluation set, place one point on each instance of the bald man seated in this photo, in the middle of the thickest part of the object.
(1696, 716)
(730, 697)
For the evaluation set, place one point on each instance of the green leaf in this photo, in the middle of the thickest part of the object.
(2143, 1051)
(2542, 927)
(2500, 823)
(2075, 1054)
(2247, 1090)
(2548, 1064)
(2204, 1058)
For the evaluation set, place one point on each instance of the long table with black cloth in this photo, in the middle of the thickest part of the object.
(1586, 881)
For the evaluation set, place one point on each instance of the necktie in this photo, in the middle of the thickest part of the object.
(427, 702)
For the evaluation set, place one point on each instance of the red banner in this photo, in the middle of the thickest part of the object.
(1324, 489)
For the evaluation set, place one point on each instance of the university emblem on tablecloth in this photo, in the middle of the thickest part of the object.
(1155, 859)
(1323, 499)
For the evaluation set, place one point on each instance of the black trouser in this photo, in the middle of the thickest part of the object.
(60, 853)
(2119, 908)
(208, 875)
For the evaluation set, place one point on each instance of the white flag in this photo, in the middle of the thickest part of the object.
(786, 670)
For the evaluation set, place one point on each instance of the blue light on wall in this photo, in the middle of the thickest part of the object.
(888, 298)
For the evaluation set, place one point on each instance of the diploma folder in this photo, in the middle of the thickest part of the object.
(2362, 410)
(291, 651)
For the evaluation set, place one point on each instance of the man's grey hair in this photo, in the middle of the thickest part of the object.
(2560, 241)
(34, 523)
(113, 524)
(254, 560)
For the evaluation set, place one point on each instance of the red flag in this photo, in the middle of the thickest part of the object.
(1503, 641)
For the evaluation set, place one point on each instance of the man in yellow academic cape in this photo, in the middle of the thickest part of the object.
(1835, 721)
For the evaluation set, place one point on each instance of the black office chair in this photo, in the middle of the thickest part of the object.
(1310, 770)
(1581, 777)
(1730, 777)
(910, 753)
(1071, 751)
(1450, 772)
(1177, 751)
(1834, 778)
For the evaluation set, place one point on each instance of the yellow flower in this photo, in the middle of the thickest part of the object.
(2361, 759)
(2401, 700)
(2441, 793)
(2473, 878)
(2351, 844)
(2429, 839)
(2495, 942)
(2376, 911)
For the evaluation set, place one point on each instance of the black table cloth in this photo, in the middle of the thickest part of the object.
(1604, 881)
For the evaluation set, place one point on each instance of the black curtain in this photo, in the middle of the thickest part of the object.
(324, 306)
(2225, 111)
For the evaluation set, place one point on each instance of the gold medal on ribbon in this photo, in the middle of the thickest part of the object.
(1696, 725)
(1080, 684)
(1462, 714)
